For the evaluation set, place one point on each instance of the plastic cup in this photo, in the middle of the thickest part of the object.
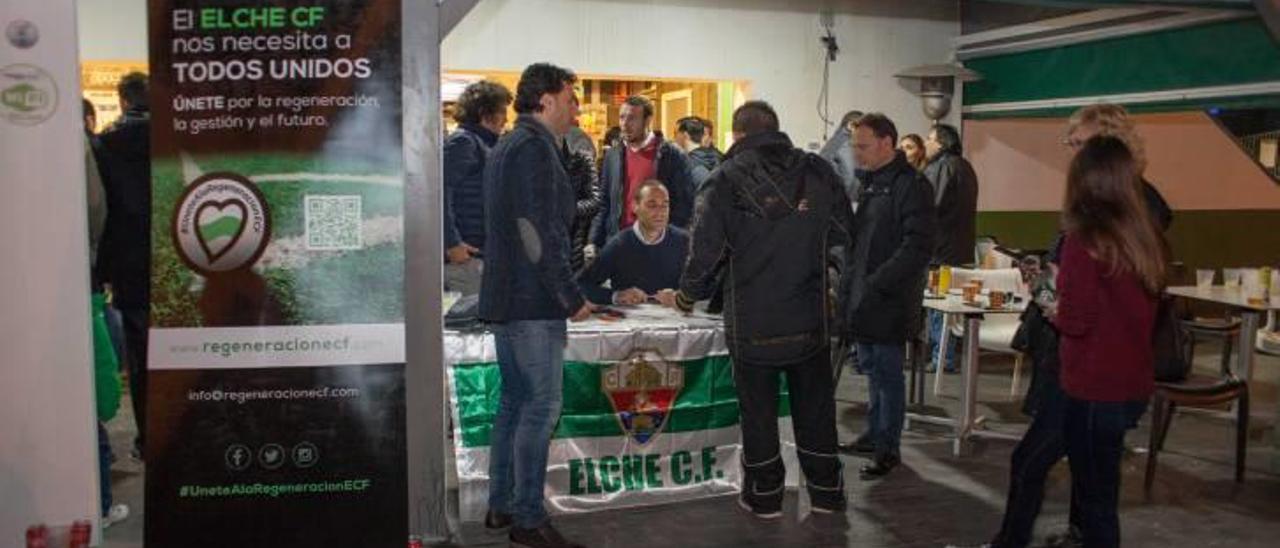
(1253, 290)
(1204, 278)
(1231, 277)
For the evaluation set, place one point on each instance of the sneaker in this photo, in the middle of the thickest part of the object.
(543, 536)
(497, 521)
(116, 514)
(757, 511)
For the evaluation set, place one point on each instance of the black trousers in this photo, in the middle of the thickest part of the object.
(813, 418)
(1091, 435)
(135, 340)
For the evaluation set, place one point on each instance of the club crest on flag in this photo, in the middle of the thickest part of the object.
(642, 390)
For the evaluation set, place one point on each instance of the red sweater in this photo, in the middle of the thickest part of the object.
(1105, 323)
(641, 166)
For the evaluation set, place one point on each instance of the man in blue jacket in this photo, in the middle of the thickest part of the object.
(481, 113)
(527, 293)
(644, 154)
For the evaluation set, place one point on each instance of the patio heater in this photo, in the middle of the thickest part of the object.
(937, 84)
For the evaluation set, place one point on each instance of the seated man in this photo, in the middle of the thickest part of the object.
(643, 261)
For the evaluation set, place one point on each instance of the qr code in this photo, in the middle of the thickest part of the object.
(333, 222)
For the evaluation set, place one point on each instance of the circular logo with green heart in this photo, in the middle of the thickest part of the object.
(221, 224)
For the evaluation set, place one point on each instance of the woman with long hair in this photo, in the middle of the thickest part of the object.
(1114, 262)
(913, 146)
(1112, 271)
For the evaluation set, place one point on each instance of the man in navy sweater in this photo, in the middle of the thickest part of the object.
(644, 261)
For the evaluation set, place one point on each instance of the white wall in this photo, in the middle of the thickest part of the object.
(112, 30)
(1022, 165)
(771, 43)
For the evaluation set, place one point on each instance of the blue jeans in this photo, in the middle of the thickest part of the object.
(531, 362)
(935, 337)
(104, 468)
(887, 394)
(1095, 445)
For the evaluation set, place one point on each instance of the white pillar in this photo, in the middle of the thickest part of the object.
(48, 452)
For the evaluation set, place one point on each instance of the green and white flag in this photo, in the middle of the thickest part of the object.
(649, 415)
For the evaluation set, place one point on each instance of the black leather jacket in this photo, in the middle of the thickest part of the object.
(770, 215)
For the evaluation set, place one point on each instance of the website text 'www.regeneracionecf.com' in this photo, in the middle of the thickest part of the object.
(274, 489)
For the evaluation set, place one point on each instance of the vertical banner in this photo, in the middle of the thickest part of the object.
(276, 365)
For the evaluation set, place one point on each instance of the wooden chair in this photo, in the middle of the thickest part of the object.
(1196, 393)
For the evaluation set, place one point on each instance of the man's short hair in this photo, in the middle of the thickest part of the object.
(754, 117)
(642, 102)
(948, 138)
(880, 125)
(693, 127)
(850, 117)
(87, 108)
(481, 100)
(537, 80)
(650, 183)
(133, 90)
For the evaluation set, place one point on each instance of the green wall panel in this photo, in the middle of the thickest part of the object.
(1199, 238)
(1232, 52)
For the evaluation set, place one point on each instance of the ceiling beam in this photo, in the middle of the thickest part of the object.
(452, 12)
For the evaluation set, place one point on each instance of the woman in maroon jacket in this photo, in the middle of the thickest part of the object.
(1112, 270)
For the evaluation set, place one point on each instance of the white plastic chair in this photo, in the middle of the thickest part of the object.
(997, 330)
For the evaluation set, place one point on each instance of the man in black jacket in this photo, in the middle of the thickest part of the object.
(955, 192)
(481, 113)
(580, 163)
(771, 213)
(124, 255)
(884, 279)
(643, 154)
(527, 293)
(690, 133)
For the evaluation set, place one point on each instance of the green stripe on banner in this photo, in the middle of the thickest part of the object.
(708, 400)
(1216, 54)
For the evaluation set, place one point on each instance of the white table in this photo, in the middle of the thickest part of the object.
(969, 424)
(1251, 315)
